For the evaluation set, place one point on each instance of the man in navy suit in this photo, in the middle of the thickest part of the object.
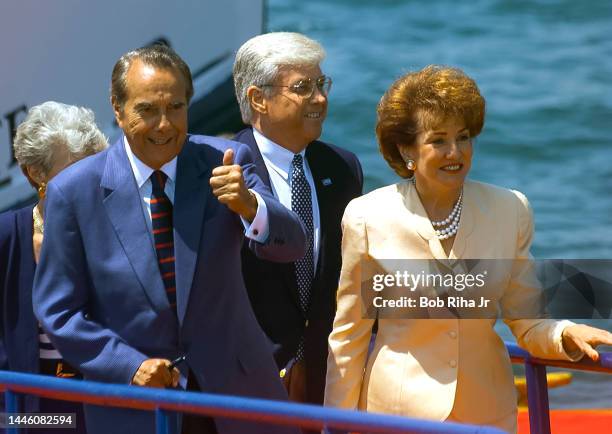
(141, 258)
(283, 96)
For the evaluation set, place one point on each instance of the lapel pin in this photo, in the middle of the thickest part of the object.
(326, 181)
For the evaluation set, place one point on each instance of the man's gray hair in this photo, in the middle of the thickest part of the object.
(260, 59)
(51, 126)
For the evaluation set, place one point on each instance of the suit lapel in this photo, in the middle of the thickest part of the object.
(190, 197)
(466, 224)
(324, 184)
(125, 212)
(246, 137)
(419, 219)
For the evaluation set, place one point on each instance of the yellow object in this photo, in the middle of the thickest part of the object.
(282, 373)
(553, 379)
(42, 190)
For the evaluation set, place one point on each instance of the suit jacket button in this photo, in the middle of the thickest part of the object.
(255, 232)
(306, 323)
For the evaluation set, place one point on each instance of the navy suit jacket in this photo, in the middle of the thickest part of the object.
(272, 287)
(19, 343)
(99, 295)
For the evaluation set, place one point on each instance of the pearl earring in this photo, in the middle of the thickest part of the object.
(410, 165)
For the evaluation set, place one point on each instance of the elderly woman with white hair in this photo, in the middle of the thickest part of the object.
(52, 137)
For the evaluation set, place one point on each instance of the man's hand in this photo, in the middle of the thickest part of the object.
(155, 373)
(585, 338)
(228, 186)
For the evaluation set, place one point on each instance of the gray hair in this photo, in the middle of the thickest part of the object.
(157, 55)
(260, 59)
(51, 126)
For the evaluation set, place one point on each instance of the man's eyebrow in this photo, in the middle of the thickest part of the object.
(142, 105)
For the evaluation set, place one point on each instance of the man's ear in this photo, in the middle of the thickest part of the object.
(117, 110)
(34, 174)
(257, 100)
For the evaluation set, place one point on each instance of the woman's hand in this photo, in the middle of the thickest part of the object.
(585, 338)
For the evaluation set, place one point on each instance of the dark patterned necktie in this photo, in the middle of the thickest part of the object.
(161, 217)
(301, 204)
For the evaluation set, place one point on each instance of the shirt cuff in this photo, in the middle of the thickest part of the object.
(557, 338)
(259, 229)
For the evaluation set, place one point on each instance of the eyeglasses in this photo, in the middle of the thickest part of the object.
(306, 86)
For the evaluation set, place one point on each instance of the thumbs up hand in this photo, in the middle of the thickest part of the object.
(228, 186)
(228, 157)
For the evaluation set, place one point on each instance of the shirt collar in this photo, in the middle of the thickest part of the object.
(142, 172)
(280, 158)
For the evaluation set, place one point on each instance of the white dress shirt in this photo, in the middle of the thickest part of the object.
(257, 230)
(278, 163)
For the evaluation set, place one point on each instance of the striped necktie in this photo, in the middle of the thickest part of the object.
(301, 204)
(163, 236)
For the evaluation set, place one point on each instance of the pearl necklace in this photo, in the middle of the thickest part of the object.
(448, 227)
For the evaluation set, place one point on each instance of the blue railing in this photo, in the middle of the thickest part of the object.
(537, 387)
(163, 402)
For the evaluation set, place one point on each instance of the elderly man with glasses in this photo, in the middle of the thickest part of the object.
(283, 97)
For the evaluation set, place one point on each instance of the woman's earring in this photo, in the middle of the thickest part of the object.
(42, 190)
(410, 165)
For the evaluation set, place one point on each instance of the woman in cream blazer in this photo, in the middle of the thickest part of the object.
(440, 369)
